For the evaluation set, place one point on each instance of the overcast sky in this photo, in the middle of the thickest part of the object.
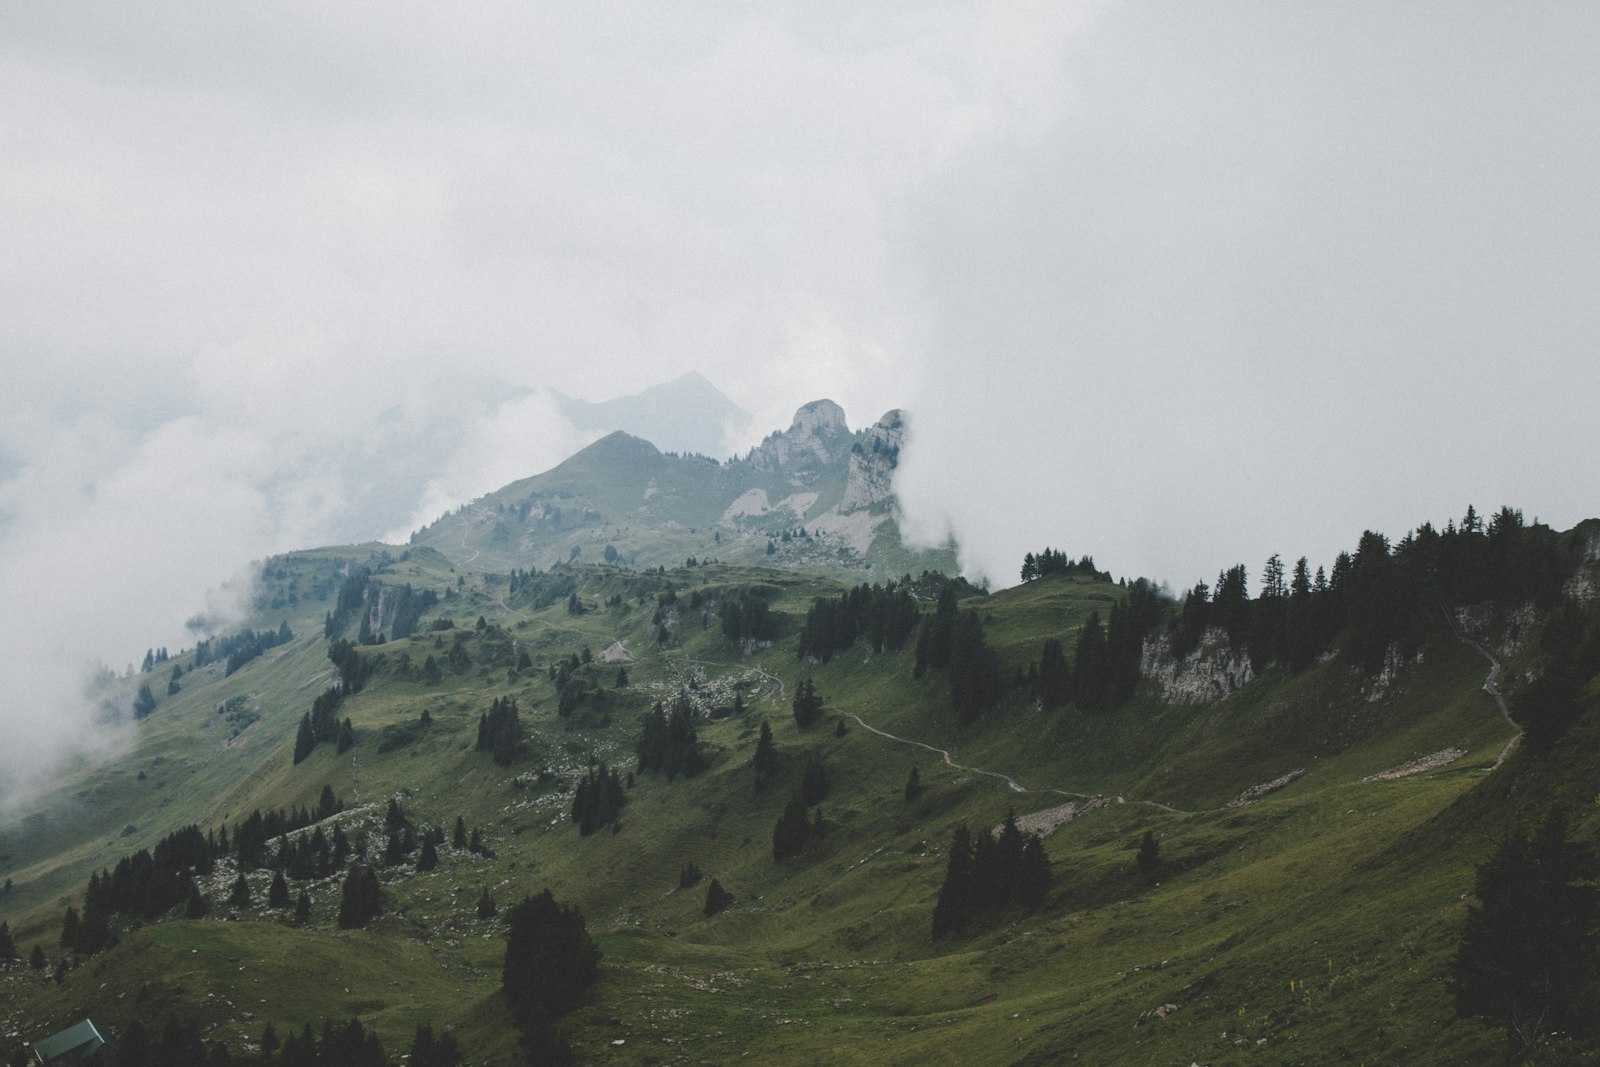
(1179, 285)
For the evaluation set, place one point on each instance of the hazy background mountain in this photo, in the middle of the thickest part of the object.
(687, 414)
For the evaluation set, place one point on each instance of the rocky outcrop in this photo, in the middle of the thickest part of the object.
(1204, 676)
(872, 463)
(818, 433)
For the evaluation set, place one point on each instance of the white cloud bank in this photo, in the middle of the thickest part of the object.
(1176, 286)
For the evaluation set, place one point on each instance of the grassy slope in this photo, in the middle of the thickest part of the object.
(1354, 888)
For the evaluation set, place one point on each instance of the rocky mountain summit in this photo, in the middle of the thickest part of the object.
(816, 495)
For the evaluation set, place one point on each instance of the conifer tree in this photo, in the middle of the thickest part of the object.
(814, 781)
(429, 858)
(240, 896)
(360, 900)
(302, 909)
(766, 761)
(807, 705)
(717, 898)
(956, 895)
(793, 828)
(1528, 954)
(8, 944)
(145, 702)
(305, 740)
(1149, 858)
(458, 839)
(278, 893)
(913, 786)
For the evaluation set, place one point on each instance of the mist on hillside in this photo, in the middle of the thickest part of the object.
(1174, 288)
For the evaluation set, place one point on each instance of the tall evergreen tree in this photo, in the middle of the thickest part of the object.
(957, 894)
(360, 899)
(793, 829)
(807, 705)
(766, 761)
(1528, 954)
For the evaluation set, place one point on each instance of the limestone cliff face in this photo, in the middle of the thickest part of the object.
(817, 434)
(872, 467)
(1204, 676)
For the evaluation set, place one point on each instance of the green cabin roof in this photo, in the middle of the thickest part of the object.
(70, 1045)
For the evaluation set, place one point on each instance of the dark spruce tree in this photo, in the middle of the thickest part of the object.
(792, 831)
(717, 898)
(807, 705)
(360, 899)
(550, 963)
(766, 762)
(1149, 858)
(305, 741)
(1528, 956)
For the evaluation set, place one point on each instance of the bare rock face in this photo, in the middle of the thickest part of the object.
(872, 464)
(1204, 676)
(818, 433)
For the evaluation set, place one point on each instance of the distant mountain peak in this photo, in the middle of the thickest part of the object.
(686, 414)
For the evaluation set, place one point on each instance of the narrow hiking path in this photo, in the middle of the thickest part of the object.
(1014, 785)
(1490, 686)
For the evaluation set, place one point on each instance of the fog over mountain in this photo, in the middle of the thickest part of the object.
(1175, 286)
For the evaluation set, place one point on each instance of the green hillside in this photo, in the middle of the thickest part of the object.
(1317, 923)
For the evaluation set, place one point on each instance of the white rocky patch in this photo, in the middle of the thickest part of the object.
(1418, 766)
(751, 503)
(799, 503)
(855, 531)
(1204, 676)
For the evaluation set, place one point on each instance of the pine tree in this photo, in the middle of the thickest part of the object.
(429, 858)
(913, 786)
(196, 906)
(8, 944)
(305, 739)
(1528, 951)
(302, 909)
(550, 960)
(458, 839)
(1033, 881)
(793, 828)
(36, 958)
(486, 906)
(360, 900)
(278, 893)
(814, 781)
(807, 705)
(1149, 858)
(145, 702)
(766, 761)
(240, 896)
(956, 896)
(717, 898)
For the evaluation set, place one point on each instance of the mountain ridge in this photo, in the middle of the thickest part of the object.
(653, 508)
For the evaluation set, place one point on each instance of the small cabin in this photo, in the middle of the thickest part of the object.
(79, 1043)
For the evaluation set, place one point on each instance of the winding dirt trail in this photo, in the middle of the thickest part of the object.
(1490, 686)
(1014, 785)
